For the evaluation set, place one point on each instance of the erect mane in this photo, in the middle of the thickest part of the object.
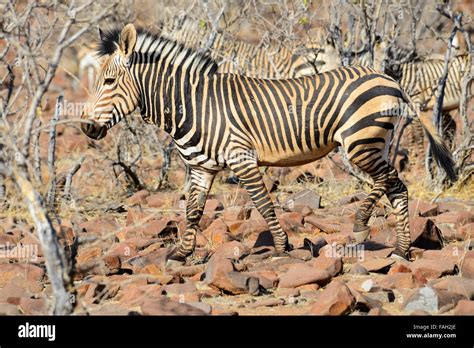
(110, 40)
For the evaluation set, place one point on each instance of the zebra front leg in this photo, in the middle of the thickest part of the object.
(250, 176)
(200, 183)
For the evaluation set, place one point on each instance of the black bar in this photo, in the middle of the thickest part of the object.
(223, 330)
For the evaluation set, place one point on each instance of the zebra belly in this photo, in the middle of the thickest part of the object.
(294, 159)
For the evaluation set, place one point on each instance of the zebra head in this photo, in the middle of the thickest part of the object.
(115, 93)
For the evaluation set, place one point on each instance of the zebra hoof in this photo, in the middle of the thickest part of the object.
(361, 233)
(280, 255)
(173, 264)
(399, 255)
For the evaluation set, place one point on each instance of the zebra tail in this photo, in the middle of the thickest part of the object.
(439, 150)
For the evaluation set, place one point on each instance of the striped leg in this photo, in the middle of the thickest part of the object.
(398, 196)
(381, 179)
(200, 183)
(250, 176)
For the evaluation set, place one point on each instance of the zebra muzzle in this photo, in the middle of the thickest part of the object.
(94, 130)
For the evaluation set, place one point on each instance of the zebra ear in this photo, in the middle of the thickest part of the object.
(128, 39)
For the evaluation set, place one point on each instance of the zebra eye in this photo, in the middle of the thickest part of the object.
(109, 81)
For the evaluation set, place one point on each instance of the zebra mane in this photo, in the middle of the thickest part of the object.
(110, 40)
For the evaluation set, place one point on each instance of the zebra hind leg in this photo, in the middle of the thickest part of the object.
(381, 177)
(398, 196)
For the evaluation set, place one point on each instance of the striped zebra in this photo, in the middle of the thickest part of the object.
(262, 61)
(420, 80)
(226, 120)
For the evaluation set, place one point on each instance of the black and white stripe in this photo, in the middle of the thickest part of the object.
(227, 120)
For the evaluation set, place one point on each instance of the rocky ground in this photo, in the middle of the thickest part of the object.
(118, 239)
(121, 269)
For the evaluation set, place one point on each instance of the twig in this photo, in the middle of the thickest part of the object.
(52, 153)
(74, 169)
(56, 263)
(37, 155)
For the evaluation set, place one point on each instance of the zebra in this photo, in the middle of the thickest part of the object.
(420, 80)
(227, 120)
(239, 57)
(262, 61)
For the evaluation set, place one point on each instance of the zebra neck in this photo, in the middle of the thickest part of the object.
(167, 97)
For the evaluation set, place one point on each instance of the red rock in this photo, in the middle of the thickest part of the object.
(464, 231)
(33, 306)
(291, 221)
(399, 268)
(447, 300)
(27, 276)
(12, 293)
(397, 281)
(9, 309)
(217, 232)
(419, 208)
(385, 236)
(164, 306)
(287, 292)
(464, 218)
(151, 229)
(88, 255)
(467, 265)
(235, 213)
(462, 286)
(324, 225)
(251, 228)
(358, 269)
(138, 197)
(231, 250)
(187, 287)
(213, 205)
(152, 255)
(364, 302)
(132, 296)
(425, 234)
(453, 253)
(302, 254)
(464, 307)
(447, 218)
(206, 221)
(377, 311)
(377, 265)
(100, 226)
(336, 299)
(137, 216)
(124, 250)
(109, 309)
(332, 265)
(432, 269)
(112, 262)
(7, 240)
(267, 279)
(301, 274)
(162, 200)
(220, 274)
